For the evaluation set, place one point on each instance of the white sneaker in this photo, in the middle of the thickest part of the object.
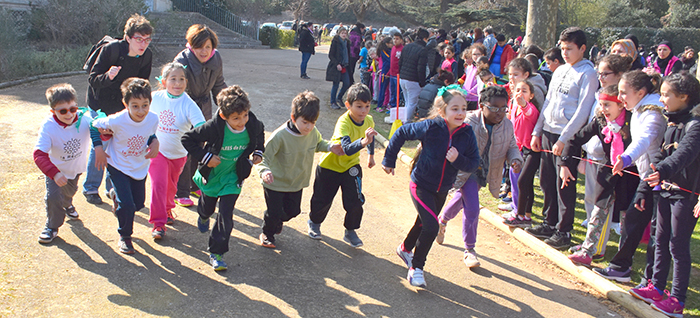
(415, 277)
(406, 257)
(441, 233)
(616, 227)
(585, 223)
(509, 215)
(505, 207)
(470, 259)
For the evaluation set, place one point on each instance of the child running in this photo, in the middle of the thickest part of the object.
(497, 144)
(229, 140)
(612, 126)
(523, 115)
(448, 145)
(673, 170)
(354, 130)
(133, 133)
(61, 154)
(287, 162)
(177, 113)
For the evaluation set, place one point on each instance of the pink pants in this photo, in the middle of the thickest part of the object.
(164, 174)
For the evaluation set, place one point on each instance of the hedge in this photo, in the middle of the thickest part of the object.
(679, 37)
(276, 38)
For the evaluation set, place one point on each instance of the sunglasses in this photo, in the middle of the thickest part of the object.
(64, 111)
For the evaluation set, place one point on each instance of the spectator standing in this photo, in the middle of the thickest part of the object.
(490, 40)
(412, 67)
(306, 46)
(355, 46)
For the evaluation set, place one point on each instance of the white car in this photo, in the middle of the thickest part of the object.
(390, 30)
(334, 30)
(268, 24)
(286, 25)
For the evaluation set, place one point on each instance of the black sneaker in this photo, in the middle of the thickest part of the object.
(93, 198)
(47, 235)
(71, 213)
(125, 245)
(542, 231)
(559, 240)
(305, 77)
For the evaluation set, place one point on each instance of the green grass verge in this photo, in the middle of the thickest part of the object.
(25, 62)
(579, 233)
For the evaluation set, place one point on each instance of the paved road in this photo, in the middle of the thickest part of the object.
(81, 274)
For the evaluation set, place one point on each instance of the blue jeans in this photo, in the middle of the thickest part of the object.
(345, 78)
(392, 92)
(384, 80)
(305, 56)
(131, 195)
(93, 177)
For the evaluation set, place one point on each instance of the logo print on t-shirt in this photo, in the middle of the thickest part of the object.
(167, 118)
(71, 149)
(135, 144)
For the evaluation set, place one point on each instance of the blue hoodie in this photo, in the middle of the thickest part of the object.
(432, 170)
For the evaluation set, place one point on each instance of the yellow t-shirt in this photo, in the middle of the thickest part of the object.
(345, 127)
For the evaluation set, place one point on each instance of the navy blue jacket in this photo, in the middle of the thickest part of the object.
(432, 171)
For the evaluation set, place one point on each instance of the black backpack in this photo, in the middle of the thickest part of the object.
(97, 48)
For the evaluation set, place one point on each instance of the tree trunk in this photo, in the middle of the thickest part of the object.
(541, 26)
(444, 24)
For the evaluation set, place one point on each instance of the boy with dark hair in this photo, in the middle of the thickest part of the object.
(287, 162)
(126, 157)
(60, 153)
(354, 130)
(116, 62)
(229, 140)
(565, 111)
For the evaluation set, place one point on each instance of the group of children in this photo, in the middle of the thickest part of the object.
(514, 125)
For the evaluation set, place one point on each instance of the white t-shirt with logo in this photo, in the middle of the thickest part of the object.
(127, 149)
(176, 116)
(68, 147)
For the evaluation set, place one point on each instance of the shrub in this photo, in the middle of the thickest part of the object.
(286, 38)
(270, 36)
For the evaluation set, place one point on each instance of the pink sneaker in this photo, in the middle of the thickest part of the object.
(197, 193)
(581, 259)
(184, 202)
(648, 294)
(669, 307)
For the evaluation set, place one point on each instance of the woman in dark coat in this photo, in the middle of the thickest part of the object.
(306, 47)
(204, 71)
(339, 55)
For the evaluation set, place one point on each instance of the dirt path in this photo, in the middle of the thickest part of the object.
(81, 274)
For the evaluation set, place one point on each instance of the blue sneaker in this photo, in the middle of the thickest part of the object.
(203, 224)
(415, 277)
(217, 263)
(612, 274)
(352, 238)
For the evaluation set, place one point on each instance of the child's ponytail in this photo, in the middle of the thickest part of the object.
(639, 80)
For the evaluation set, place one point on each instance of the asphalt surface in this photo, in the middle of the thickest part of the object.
(82, 274)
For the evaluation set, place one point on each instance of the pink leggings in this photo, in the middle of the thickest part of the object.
(164, 174)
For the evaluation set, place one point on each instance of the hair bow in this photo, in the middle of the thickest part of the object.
(445, 90)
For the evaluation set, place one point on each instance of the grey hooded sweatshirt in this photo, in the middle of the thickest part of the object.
(569, 100)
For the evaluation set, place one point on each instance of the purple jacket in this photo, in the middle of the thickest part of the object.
(355, 42)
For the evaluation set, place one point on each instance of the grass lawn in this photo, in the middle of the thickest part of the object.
(693, 296)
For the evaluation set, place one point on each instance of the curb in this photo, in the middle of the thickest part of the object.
(38, 77)
(602, 285)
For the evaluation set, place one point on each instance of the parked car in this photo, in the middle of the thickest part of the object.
(334, 30)
(327, 27)
(390, 30)
(268, 24)
(286, 25)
